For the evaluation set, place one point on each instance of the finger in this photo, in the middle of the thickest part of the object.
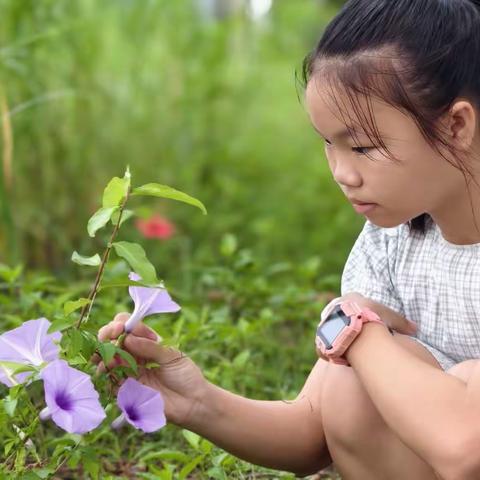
(100, 369)
(407, 327)
(115, 328)
(110, 331)
(121, 317)
(146, 349)
(412, 327)
(140, 330)
(95, 358)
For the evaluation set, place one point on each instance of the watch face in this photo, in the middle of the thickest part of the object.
(333, 325)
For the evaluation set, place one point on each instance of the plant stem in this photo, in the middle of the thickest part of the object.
(93, 292)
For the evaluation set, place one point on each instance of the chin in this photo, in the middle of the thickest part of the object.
(388, 222)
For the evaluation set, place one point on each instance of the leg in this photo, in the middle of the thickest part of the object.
(360, 443)
(463, 370)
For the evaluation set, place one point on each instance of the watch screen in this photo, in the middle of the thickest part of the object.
(333, 326)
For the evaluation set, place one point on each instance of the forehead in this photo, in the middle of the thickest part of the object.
(331, 109)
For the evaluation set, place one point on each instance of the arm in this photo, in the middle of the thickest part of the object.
(437, 415)
(275, 434)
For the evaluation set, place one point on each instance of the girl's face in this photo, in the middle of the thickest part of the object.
(421, 181)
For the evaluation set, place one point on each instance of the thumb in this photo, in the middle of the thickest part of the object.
(146, 349)
(412, 327)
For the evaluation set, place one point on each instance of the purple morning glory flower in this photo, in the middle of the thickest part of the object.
(72, 401)
(141, 406)
(29, 344)
(148, 301)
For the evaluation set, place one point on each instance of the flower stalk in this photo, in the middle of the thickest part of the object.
(85, 312)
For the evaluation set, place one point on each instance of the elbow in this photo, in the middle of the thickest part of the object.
(318, 462)
(461, 461)
(307, 472)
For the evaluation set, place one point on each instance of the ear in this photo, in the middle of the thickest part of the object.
(462, 124)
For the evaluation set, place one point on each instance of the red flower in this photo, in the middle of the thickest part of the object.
(155, 227)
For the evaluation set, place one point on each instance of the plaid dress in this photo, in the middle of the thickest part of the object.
(424, 278)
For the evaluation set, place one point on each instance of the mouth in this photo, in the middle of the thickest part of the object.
(363, 208)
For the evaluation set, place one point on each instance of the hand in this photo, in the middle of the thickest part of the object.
(177, 378)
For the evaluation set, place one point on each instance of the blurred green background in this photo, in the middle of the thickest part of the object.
(200, 95)
(197, 94)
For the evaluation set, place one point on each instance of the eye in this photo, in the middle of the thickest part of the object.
(362, 150)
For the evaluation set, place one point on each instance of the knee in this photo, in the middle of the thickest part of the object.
(348, 414)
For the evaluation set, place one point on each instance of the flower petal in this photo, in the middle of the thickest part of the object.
(148, 301)
(146, 402)
(29, 344)
(71, 398)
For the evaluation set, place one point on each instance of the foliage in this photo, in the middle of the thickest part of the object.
(92, 86)
(88, 87)
(242, 303)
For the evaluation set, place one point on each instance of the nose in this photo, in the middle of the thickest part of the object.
(345, 172)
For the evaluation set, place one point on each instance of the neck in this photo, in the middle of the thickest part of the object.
(459, 218)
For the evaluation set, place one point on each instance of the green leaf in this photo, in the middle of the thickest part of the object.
(76, 342)
(228, 245)
(93, 261)
(10, 274)
(241, 359)
(79, 360)
(115, 191)
(60, 324)
(44, 472)
(129, 359)
(217, 460)
(20, 458)
(15, 391)
(206, 446)
(91, 462)
(107, 351)
(99, 219)
(172, 455)
(126, 214)
(136, 257)
(13, 367)
(216, 473)
(164, 191)
(185, 471)
(10, 404)
(90, 343)
(192, 438)
(71, 306)
(8, 446)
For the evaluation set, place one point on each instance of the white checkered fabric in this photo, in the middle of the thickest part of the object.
(426, 279)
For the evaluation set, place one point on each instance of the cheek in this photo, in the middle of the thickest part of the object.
(330, 157)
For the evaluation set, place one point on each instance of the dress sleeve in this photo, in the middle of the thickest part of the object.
(370, 266)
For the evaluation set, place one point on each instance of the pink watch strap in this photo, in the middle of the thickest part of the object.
(367, 315)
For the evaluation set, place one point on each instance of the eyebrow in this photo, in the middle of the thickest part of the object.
(341, 135)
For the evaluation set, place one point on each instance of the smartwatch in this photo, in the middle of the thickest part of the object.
(341, 322)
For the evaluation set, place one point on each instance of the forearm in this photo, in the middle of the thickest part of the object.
(275, 434)
(427, 408)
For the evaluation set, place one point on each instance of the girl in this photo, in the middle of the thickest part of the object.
(393, 87)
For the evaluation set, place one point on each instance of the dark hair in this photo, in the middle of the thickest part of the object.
(416, 55)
